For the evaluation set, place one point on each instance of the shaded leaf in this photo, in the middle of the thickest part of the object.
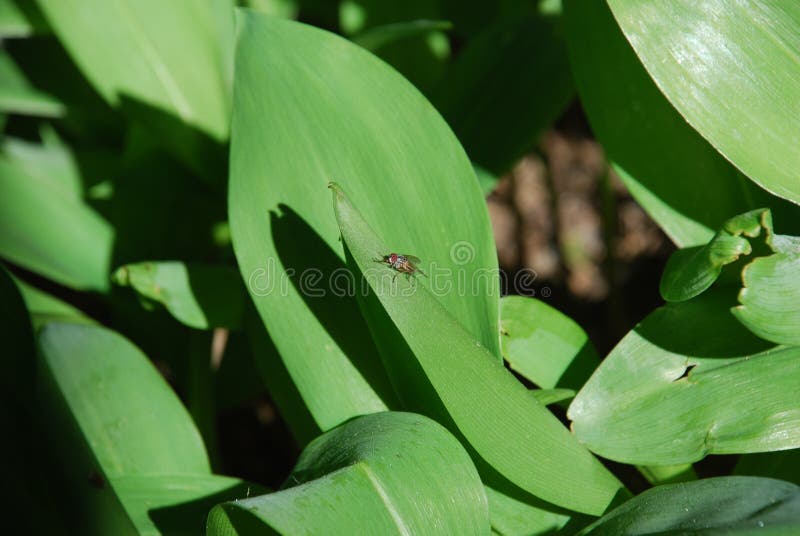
(544, 345)
(354, 480)
(17, 95)
(200, 296)
(731, 71)
(509, 83)
(376, 37)
(440, 369)
(784, 465)
(658, 399)
(722, 505)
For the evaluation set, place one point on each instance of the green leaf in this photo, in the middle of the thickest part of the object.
(692, 271)
(722, 505)
(171, 56)
(318, 94)
(51, 162)
(677, 176)
(47, 232)
(355, 479)
(770, 296)
(440, 369)
(200, 296)
(112, 392)
(659, 399)
(508, 84)
(544, 345)
(516, 516)
(730, 70)
(17, 95)
(114, 421)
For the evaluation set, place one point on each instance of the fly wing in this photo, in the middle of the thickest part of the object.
(412, 259)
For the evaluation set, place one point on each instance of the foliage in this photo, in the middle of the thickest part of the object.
(193, 198)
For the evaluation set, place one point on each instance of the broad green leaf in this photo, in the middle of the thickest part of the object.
(17, 95)
(115, 422)
(770, 296)
(544, 345)
(200, 296)
(722, 505)
(692, 271)
(731, 71)
(118, 400)
(170, 56)
(509, 83)
(440, 369)
(677, 176)
(357, 479)
(660, 399)
(47, 232)
(320, 95)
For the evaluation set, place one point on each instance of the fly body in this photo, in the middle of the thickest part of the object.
(404, 264)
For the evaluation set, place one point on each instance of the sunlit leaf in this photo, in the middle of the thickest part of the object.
(355, 479)
(172, 56)
(198, 295)
(731, 71)
(544, 345)
(770, 296)
(47, 232)
(317, 94)
(440, 369)
(662, 399)
(685, 185)
(126, 446)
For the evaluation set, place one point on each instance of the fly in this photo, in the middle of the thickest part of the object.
(403, 264)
